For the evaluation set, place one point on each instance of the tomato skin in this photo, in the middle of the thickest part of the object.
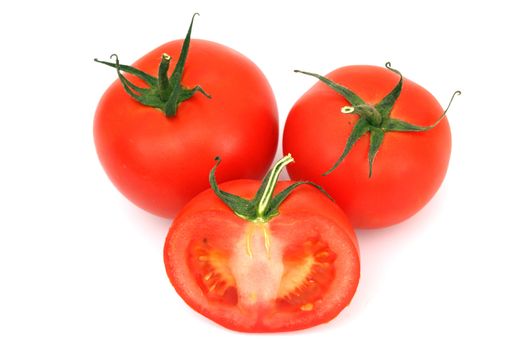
(409, 167)
(160, 163)
(298, 216)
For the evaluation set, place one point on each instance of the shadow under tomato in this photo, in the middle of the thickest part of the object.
(153, 226)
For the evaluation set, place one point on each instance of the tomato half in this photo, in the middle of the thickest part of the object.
(297, 270)
(160, 162)
(385, 177)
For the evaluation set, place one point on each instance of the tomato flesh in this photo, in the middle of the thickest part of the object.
(303, 274)
(294, 272)
(309, 270)
(212, 273)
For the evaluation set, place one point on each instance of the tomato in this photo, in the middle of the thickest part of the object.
(157, 146)
(377, 142)
(294, 266)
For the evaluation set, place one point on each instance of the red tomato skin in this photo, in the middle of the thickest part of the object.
(160, 163)
(304, 202)
(409, 167)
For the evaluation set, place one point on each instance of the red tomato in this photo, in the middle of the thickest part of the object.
(295, 270)
(390, 172)
(160, 162)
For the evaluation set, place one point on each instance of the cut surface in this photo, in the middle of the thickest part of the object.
(309, 271)
(212, 273)
(288, 274)
(257, 273)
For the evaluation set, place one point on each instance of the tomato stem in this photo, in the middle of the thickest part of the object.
(347, 110)
(374, 119)
(161, 92)
(163, 82)
(267, 194)
(264, 206)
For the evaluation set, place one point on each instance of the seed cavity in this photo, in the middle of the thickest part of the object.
(309, 272)
(212, 273)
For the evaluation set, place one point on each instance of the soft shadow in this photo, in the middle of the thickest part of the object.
(151, 225)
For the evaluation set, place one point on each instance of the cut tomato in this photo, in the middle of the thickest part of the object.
(294, 271)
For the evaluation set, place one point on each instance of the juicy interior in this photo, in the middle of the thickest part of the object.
(211, 271)
(261, 270)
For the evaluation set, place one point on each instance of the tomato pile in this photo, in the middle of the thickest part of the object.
(192, 139)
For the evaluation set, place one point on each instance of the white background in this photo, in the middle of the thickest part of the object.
(81, 268)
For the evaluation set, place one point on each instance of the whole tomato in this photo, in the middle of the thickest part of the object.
(158, 128)
(377, 142)
(257, 262)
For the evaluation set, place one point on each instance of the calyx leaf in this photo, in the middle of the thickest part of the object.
(163, 92)
(375, 119)
(264, 206)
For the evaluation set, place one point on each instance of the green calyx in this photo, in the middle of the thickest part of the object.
(163, 92)
(264, 206)
(373, 119)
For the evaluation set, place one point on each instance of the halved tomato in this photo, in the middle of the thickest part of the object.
(292, 269)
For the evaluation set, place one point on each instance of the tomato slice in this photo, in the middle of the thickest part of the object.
(298, 270)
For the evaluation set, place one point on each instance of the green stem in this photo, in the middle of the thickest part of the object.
(368, 112)
(373, 119)
(164, 82)
(163, 92)
(263, 205)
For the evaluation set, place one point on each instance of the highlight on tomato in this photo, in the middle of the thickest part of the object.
(377, 142)
(253, 261)
(159, 126)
